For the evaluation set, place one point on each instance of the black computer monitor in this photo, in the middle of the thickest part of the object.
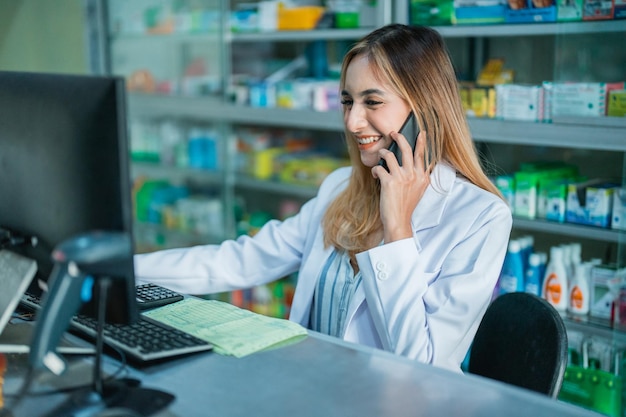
(64, 168)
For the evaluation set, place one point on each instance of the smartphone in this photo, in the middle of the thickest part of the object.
(409, 130)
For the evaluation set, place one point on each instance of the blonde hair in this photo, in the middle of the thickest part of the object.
(414, 61)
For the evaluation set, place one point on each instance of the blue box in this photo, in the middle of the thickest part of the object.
(530, 13)
(471, 15)
(590, 203)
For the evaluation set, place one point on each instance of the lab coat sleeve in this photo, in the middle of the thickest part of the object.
(274, 252)
(430, 311)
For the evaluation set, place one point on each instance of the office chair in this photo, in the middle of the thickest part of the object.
(522, 341)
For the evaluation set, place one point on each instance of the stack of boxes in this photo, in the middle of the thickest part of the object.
(543, 103)
(471, 12)
(554, 191)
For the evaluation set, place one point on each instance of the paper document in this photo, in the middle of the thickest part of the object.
(232, 330)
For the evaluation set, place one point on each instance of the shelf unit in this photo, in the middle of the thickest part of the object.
(572, 133)
(562, 133)
(592, 134)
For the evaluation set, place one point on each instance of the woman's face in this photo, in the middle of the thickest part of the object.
(371, 110)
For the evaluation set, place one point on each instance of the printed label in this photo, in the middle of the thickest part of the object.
(576, 298)
(553, 289)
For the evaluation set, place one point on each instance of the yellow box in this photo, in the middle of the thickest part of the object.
(299, 18)
(616, 105)
(262, 166)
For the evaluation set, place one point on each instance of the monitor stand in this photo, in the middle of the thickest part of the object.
(116, 394)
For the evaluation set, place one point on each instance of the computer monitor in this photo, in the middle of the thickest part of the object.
(64, 168)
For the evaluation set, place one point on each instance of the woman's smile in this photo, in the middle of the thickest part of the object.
(367, 142)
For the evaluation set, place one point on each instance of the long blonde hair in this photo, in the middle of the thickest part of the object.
(414, 61)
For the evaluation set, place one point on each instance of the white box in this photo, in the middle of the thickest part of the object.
(519, 102)
(618, 220)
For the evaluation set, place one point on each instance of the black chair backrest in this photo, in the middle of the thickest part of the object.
(521, 341)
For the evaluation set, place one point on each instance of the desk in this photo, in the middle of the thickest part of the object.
(322, 376)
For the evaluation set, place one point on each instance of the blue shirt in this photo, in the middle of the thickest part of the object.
(336, 285)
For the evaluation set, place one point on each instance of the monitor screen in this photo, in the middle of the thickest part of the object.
(64, 167)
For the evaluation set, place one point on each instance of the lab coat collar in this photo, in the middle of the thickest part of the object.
(430, 208)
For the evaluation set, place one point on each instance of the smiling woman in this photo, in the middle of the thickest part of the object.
(403, 260)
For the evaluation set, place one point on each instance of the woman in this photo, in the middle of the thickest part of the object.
(403, 260)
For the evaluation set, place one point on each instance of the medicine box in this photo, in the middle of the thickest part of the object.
(619, 9)
(431, 12)
(530, 11)
(578, 99)
(597, 9)
(616, 103)
(552, 199)
(482, 102)
(470, 13)
(590, 203)
(519, 102)
(506, 185)
(298, 18)
(606, 281)
(528, 182)
(569, 10)
(618, 220)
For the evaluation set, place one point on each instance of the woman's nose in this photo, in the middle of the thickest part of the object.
(354, 119)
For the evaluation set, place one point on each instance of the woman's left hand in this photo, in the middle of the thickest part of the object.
(402, 188)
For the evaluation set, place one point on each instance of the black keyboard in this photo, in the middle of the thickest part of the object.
(152, 296)
(144, 341)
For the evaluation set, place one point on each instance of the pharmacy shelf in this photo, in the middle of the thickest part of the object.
(215, 110)
(293, 190)
(532, 29)
(176, 174)
(459, 31)
(300, 35)
(568, 229)
(591, 326)
(166, 238)
(166, 37)
(601, 133)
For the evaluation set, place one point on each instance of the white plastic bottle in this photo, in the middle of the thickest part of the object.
(575, 257)
(567, 259)
(555, 289)
(579, 290)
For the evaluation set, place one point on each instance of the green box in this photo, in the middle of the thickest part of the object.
(431, 12)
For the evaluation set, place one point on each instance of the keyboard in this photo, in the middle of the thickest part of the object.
(144, 341)
(153, 296)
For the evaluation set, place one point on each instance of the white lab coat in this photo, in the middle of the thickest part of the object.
(423, 297)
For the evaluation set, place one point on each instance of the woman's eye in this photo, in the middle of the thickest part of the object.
(372, 102)
(346, 102)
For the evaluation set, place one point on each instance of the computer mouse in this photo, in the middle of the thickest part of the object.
(118, 412)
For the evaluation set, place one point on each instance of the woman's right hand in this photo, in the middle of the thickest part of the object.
(402, 188)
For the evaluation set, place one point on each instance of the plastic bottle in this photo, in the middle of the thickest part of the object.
(534, 277)
(579, 290)
(528, 247)
(544, 264)
(555, 288)
(567, 259)
(512, 275)
(575, 257)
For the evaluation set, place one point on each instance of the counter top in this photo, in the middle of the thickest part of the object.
(318, 376)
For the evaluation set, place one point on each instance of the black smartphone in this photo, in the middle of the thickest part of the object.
(409, 130)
